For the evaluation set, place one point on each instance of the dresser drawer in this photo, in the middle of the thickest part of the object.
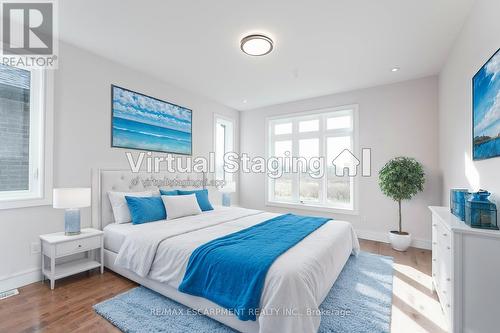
(78, 245)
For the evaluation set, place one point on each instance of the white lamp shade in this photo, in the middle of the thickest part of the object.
(71, 197)
(228, 188)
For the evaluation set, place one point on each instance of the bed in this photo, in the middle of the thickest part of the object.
(296, 283)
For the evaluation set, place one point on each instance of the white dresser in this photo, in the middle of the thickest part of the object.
(466, 273)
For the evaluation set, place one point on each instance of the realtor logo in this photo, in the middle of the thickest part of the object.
(28, 33)
(27, 28)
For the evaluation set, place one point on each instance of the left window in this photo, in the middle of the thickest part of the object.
(224, 143)
(25, 157)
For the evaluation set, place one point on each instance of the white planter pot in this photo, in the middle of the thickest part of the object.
(399, 242)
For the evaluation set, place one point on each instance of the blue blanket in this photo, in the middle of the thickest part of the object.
(231, 270)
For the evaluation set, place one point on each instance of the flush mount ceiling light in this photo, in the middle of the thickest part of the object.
(395, 69)
(256, 45)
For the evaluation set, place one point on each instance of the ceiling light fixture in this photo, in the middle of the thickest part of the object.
(256, 45)
(395, 69)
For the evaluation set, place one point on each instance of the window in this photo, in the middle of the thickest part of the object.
(324, 136)
(224, 143)
(25, 160)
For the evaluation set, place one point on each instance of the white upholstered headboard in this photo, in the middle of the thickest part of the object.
(127, 181)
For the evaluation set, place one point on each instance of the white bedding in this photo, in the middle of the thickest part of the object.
(115, 234)
(298, 280)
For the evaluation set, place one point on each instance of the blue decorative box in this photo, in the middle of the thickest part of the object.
(457, 202)
(479, 211)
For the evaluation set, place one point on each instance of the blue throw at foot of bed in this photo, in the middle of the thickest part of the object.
(231, 270)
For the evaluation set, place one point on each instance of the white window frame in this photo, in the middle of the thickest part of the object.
(40, 146)
(229, 143)
(323, 135)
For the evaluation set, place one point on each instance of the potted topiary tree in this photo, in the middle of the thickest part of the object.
(400, 179)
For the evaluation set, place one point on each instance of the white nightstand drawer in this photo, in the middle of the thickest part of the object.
(78, 245)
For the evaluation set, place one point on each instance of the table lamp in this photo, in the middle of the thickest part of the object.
(226, 191)
(71, 199)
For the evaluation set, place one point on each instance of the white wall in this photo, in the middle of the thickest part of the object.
(478, 40)
(394, 120)
(82, 141)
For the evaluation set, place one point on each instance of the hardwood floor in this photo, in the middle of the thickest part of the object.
(68, 308)
(415, 307)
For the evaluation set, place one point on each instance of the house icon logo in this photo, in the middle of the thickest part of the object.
(346, 163)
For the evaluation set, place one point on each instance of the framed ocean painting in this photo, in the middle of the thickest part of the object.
(147, 123)
(486, 110)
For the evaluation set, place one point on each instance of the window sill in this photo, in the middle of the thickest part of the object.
(23, 203)
(312, 208)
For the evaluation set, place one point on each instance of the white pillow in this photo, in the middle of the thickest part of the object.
(180, 205)
(119, 204)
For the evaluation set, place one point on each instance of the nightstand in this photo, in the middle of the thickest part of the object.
(58, 245)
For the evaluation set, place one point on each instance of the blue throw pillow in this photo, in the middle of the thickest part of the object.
(146, 209)
(201, 197)
(172, 192)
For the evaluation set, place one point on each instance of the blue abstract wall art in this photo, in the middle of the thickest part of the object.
(147, 123)
(486, 110)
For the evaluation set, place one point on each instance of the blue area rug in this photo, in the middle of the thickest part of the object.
(360, 301)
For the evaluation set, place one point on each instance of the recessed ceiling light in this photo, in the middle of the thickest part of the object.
(245, 101)
(395, 69)
(257, 45)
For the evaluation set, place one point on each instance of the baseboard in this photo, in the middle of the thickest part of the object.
(382, 237)
(20, 279)
(32, 275)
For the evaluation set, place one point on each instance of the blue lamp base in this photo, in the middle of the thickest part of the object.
(226, 199)
(72, 222)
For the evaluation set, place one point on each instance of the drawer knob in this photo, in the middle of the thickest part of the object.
(448, 305)
(444, 291)
(448, 279)
(433, 274)
(434, 225)
(435, 243)
(449, 248)
(79, 245)
(433, 259)
(445, 235)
